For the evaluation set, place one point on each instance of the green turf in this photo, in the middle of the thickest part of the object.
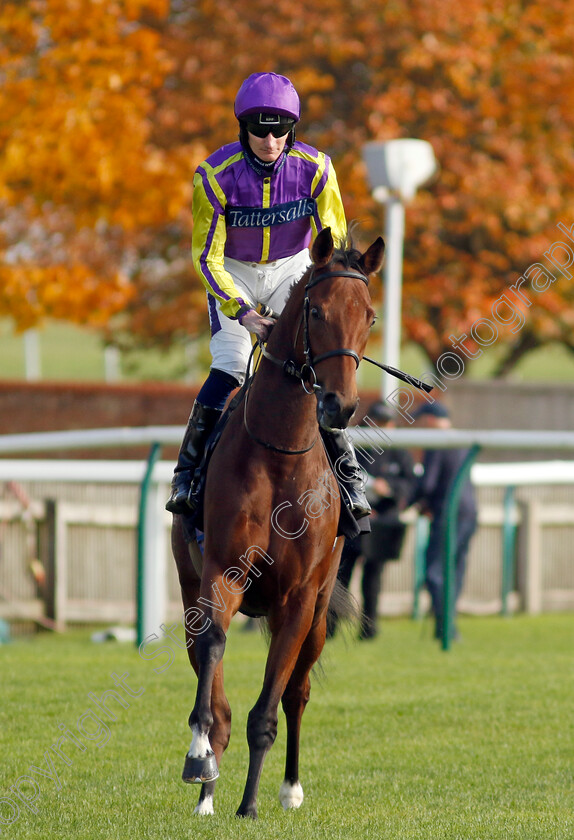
(68, 352)
(72, 353)
(553, 363)
(400, 740)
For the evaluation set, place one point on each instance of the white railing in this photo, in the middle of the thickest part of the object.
(404, 438)
(152, 517)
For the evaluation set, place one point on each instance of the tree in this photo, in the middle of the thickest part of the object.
(108, 107)
(83, 189)
(489, 84)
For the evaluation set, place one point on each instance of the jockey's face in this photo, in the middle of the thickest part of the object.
(267, 148)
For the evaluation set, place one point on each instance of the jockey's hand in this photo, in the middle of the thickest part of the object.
(256, 324)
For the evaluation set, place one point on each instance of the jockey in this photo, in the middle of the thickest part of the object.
(256, 205)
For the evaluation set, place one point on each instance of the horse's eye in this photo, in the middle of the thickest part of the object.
(315, 313)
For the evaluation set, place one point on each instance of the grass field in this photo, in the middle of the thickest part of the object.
(71, 353)
(400, 740)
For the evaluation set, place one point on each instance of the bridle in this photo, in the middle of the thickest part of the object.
(305, 372)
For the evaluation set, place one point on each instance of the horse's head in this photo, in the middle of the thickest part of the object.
(338, 315)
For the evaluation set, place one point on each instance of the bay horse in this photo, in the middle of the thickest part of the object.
(271, 515)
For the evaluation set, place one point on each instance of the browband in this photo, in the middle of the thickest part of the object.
(317, 279)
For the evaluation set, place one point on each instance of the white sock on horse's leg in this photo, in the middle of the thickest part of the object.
(205, 806)
(290, 796)
(200, 746)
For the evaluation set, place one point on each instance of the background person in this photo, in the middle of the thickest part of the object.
(257, 203)
(440, 467)
(391, 484)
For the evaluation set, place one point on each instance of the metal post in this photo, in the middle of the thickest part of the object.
(150, 568)
(449, 555)
(393, 276)
(56, 592)
(509, 530)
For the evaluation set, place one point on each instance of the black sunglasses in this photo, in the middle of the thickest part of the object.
(263, 130)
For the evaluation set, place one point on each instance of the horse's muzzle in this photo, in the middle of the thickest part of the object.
(332, 413)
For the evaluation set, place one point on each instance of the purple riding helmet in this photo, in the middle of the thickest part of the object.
(267, 93)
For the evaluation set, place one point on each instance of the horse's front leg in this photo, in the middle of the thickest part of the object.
(219, 734)
(218, 740)
(294, 701)
(221, 728)
(288, 632)
(209, 622)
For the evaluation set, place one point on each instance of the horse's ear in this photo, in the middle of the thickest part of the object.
(372, 259)
(323, 247)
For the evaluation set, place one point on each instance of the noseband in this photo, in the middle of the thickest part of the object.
(306, 372)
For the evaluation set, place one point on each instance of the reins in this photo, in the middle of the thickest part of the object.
(305, 372)
(247, 387)
(307, 369)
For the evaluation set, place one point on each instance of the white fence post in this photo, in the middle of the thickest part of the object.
(154, 595)
(530, 562)
(32, 363)
(151, 554)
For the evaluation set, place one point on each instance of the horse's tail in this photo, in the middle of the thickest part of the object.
(343, 614)
(343, 608)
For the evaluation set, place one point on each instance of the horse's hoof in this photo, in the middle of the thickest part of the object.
(250, 812)
(196, 771)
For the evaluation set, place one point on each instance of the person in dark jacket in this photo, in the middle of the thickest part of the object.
(390, 483)
(440, 467)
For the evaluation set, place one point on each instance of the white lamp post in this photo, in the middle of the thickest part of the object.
(396, 169)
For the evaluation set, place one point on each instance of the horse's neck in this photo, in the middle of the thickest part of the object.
(280, 411)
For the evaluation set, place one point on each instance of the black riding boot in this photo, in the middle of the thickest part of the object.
(347, 470)
(201, 423)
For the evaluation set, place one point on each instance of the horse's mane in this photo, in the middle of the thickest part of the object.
(349, 256)
(347, 253)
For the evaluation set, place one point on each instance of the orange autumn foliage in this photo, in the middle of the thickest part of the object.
(108, 107)
(81, 183)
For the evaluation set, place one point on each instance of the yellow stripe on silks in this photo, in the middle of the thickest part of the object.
(266, 230)
(329, 203)
(320, 170)
(330, 209)
(204, 217)
(212, 173)
(305, 155)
